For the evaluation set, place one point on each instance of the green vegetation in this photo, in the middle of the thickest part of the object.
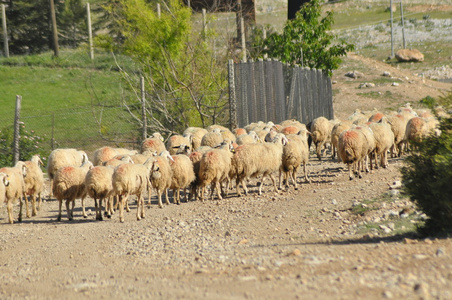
(428, 175)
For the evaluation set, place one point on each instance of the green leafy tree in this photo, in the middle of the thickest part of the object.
(427, 178)
(307, 40)
(185, 79)
(72, 23)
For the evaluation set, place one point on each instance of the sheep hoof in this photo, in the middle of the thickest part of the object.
(19, 220)
(360, 176)
(59, 219)
(351, 178)
(85, 216)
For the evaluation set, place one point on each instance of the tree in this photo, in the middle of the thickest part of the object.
(306, 40)
(185, 79)
(293, 6)
(72, 20)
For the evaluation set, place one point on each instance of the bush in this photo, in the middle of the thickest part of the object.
(29, 145)
(427, 178)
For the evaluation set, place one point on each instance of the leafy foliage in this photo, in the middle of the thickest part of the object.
(184, 77)
(307, 41)
(428, 176)
(29, 145)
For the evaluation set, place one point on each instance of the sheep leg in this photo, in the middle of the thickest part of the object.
(319, 150)
(100, 209)
(27, 209)
(122, 200)
(294, 178)
(166, 197)
(68, 209)
(59, 210)
(83, 208)
(274, 182)
(280, 177)
(10, 212)
(306, 174)
(21, 204)
(127, 206)
(40, 202)
(218, 187)
(140, 207)
(177, 191)
(159, 196)
(333, 155)
(33, 205)
(350, 171)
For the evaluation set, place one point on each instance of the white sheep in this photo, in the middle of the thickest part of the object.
(69, 184)
(371, 146)
(353, 149)
(103, 154)
(174, 143)
(253, 160)
(250, 138)
(161, 176)
(194, 135)
(214, 168)
(335, 132)
(59, 158)
(398, 127)
(34, 182)
(321, 134)
(295, 153)
(98, 184)
(119, 160)
(14, 188)
(154, 143)
(416, 130)
(212, 138)
(384, 139)
(183, 175)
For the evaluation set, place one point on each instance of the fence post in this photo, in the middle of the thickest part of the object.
(159, 11)
(243, 38)
(204, 22)
(232, 96)
(5, 32)
(143, 108)
(17, 129)
(392, 30)
(90, 31)
(403, 24)
(56, 50)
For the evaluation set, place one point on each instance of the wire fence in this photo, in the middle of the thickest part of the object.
(271, 91)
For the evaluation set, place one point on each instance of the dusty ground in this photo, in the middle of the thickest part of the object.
(331, 239)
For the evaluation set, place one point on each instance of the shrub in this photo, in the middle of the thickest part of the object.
(29, 145)
(427, 178)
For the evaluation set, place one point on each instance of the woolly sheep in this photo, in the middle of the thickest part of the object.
(295, 153)
(321, 134)
(194, 135)
(13, 180)
(131, 179)
(34, 182)
(212, 138)
(153, 143)
(398, 127)
(69, 184)
(416, 130)
(98, 184)
(103, 154)
(335, 132)
(183, 175)
(250, 138)
(376, 117)
(59, 158)
(174, 143)
(4, 182)
(353, 149)
(253, 160)
(195, 158)
(161, 176)
(238, 132)
(118, 160)
(371, 145)
(384, 139)
(214, 168)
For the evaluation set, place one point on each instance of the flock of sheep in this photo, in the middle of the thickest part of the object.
(215, 157)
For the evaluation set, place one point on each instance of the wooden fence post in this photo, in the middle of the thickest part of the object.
(5, 32)
(243, 38)
(17, 130)
(90, 31)
(56, 50)
(232, 96)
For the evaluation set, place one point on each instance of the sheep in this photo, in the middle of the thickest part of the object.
(34, 182)
(174, 143)
(416, 130)
(376, 117)
(398, 127)
(227, 134)
(335, 132)
(250, 138)
(131, 179)
(321, 134)
(161, 176)
(153, 143)
(238, 132)
(118, 160)
(69, 184)
(257, 159)
(13, 180)
(98, 184)
(292, 122)
(384, 139)
(195, 158)
(4, 182)
(371, 145)
(212, 138)
(59, 158)
(353, 149)
(214, 168)
(183, 175)
(295, 153)
(194, 135)
(103, 154)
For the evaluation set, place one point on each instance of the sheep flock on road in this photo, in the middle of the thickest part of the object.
(214, 160)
